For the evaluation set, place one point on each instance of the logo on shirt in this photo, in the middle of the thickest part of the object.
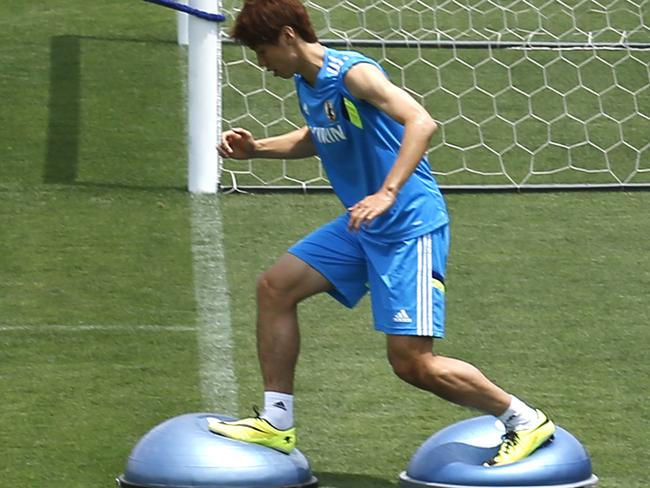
(329, 110)
(305, 108)
(328, 135)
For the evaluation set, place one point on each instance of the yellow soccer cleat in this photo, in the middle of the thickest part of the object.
(255, 430)
(517, 445)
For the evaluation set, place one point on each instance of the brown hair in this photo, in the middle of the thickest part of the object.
(261, 22)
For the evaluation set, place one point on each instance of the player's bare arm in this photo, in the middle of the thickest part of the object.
(368, 83)
(239, 143)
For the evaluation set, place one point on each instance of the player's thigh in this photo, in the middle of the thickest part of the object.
(408, 349)
(335, 253)
(292, 278)
(407, 284)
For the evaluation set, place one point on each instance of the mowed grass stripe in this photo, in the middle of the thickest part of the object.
(96, 327)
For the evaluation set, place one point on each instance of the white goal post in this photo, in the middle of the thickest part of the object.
(529, 94)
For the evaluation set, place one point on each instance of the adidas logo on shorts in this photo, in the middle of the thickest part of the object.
(402, 316)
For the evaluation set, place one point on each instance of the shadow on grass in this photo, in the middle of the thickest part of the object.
(344, 480)
(64, 109)
(62, 156)
(92, 185)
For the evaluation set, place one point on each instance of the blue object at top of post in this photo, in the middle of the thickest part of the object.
(189, 10)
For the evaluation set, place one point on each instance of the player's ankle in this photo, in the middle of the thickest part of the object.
(278, 409)
(519, 416)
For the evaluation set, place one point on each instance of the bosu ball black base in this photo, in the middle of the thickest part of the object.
(453, 458)
(182, 453)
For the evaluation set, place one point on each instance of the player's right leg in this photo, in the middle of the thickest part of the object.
(327, 260)
(279, 290)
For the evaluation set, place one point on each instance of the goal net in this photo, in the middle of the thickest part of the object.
(527, 93)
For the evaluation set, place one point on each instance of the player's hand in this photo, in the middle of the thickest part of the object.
(368, 209)
(237, 144)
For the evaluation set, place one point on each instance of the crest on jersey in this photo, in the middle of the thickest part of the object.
(329, 110)
(305, 108)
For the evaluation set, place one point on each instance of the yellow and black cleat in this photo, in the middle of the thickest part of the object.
(518, 445)
(255, 430)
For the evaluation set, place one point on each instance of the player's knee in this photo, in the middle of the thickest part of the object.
(422, 371)
(269, 287)
(272, 289)
(407, 368)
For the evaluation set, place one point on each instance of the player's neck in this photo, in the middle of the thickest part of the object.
(311, 60)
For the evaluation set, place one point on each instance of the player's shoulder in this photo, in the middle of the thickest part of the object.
(338, 63)
(342, 57)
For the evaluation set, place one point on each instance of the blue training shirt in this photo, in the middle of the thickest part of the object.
(358, 144)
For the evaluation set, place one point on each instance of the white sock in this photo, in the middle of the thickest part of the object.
(519, 416)
(278, 409)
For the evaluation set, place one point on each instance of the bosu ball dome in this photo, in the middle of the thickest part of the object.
(182, 453)
(454, 457)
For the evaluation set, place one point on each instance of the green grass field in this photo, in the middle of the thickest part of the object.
(99, 320)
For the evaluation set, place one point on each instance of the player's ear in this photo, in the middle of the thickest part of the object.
(288, 34)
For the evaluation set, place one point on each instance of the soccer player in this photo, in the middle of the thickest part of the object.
(393, 237)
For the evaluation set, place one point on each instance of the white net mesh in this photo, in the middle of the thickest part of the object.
(527, 93)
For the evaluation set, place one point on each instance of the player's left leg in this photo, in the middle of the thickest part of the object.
(457, 381)
(413, 361)
(407, 291)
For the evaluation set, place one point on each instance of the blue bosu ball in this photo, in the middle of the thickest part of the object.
(182, 453)
(454, 457)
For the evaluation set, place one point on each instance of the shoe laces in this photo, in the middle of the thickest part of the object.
(510, 440)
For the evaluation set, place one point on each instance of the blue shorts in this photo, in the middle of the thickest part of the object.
(405, 278)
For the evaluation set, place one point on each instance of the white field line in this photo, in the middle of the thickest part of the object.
(217, 374)
(95, 327)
